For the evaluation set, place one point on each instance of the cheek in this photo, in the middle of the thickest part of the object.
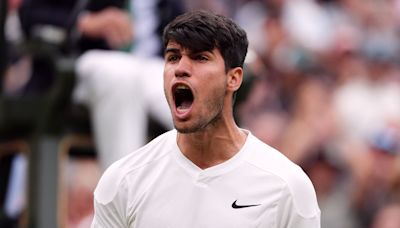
(167, 75)
(167, 92)
(217, 84)
(215, 92)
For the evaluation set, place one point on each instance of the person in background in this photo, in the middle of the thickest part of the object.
(118, 49)
(116, 36)
(122, 89)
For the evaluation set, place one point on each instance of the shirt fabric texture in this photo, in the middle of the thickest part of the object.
(158, 187)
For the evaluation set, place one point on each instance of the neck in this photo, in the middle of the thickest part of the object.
(212, 145)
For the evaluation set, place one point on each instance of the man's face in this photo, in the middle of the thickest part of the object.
(195, 87)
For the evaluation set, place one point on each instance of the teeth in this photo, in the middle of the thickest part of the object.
(182, 87)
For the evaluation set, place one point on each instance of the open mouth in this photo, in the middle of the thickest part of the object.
(183, 97)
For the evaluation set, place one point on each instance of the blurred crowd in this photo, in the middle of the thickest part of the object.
(329, 98)
(322, 86)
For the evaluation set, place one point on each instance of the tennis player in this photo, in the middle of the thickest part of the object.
(207, 172)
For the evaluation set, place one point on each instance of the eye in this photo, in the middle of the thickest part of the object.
(172, 58)
(201, 57)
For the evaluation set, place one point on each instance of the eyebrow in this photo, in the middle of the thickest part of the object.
(171, 50)
(178, 50)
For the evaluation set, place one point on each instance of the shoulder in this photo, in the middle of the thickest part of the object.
(296, 184)
(114, 177)
(271, 160)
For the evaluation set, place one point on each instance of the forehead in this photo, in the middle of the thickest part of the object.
(192, 49)
(174, 46)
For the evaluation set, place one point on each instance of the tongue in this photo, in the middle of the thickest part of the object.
(184, 106)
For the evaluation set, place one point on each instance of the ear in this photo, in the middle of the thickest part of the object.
(235, 78)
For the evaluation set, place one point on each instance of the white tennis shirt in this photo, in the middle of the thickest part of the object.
(158, 187)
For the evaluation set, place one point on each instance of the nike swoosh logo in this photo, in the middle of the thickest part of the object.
(235, 206)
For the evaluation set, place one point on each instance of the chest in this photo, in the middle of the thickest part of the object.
(236, 199)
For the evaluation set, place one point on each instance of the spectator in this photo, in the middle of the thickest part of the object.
(99, 30)
(122, 89)
(117, 87)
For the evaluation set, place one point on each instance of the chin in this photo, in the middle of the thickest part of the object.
(187, 129)
(184, 130)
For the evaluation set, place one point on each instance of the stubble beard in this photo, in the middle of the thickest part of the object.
(214, 108)
(199, 125)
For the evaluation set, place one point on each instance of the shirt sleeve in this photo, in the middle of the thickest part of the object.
(108, 215)
(298, 221)
(110, 202)
(298, 206)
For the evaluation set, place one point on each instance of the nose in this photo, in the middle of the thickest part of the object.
(184, 67)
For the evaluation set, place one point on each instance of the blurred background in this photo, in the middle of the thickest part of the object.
(322, 85)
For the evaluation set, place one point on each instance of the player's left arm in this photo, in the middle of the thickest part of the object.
(298, 206)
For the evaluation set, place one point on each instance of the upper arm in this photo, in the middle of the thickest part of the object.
(111, 200)
(108, 215)
(298, 206)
